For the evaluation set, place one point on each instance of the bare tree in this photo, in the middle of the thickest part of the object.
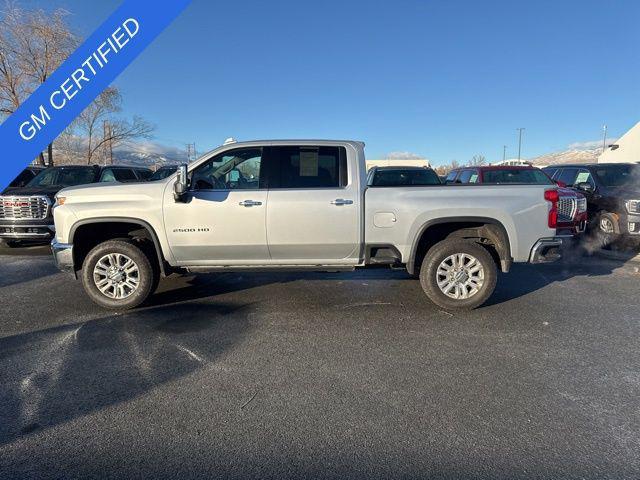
(89, 121)
(100, 129)
(447, 167)
(478, 161)
(32, 45)
(120, 131)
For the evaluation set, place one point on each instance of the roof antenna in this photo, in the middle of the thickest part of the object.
(229, 140)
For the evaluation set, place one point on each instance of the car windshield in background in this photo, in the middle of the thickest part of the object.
(393, 178)
(618, 175)
(516, 175)
(162, 173)
(64, 177)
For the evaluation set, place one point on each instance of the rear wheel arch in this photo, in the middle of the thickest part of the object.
(86, 234)
(489, 232)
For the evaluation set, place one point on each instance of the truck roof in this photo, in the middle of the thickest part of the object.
(583, 165)
(499, 167)
(294, 141)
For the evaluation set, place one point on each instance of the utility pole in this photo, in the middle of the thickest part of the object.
(519, 142)
(107, 137)
(504, 153)
(604, 138)
(191, 152)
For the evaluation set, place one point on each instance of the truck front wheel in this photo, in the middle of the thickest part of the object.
(458, 274)
(117, 275)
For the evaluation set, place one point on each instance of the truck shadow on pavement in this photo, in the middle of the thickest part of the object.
(522, 280)
(52, 376)
(525, 279)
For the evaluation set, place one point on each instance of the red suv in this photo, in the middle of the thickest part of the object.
(572, 205)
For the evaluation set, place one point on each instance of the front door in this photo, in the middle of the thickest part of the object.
(313, 214)
(222, 221)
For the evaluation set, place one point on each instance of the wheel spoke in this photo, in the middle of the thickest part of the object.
(460, 276)
(116, 275)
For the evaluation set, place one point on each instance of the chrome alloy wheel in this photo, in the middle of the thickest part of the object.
(460, 276)
(116, 276)
(606, 225)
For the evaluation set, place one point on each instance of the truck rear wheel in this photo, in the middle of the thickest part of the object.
(118, 275)
(458, 274)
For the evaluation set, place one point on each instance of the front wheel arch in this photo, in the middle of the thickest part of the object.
(86, 234)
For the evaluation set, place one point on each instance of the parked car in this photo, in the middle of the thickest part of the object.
(401, 175)
(25, 212)
(612, 191)
(25, 176)
(572, 205)
(163, 172)
(298, 205)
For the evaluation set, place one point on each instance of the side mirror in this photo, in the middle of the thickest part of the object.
(585, 187)
(180, 187)
(561, 184)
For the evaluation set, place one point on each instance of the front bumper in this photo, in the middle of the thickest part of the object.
(547, 250)
(63, 257)
(27, 231)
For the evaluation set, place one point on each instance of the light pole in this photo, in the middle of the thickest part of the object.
(504, 153)
(604, 138)
(519, 141)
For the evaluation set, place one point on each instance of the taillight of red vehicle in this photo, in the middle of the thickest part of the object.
(553, 197)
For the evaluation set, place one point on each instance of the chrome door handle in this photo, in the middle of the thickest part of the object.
(341, 201)
(250, 203)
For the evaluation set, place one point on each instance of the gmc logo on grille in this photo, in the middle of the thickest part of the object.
(15, 203)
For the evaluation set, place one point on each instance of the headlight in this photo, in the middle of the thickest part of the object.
(633, 206)
(59, 201)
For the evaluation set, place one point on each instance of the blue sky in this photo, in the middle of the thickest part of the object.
(441, 79)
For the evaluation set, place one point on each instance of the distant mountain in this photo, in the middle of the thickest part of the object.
(586, 155)
(146, 154)
(146, 159)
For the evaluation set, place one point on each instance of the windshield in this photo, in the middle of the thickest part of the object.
(162, 173)
(516, 175)
(64, 177)
(618, 175)
(393, 178)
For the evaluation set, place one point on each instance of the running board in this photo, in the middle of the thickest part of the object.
(274, 268)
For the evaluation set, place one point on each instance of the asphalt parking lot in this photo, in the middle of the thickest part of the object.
(321, 376)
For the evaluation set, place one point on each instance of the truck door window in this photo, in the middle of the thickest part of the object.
(232, 170)
(451, 177)
(107, 176)
(584, 175)
(465, 176)
(308, 167)
(124, 175)
(568, 176)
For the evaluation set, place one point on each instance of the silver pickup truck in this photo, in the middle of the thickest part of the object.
(298, 204)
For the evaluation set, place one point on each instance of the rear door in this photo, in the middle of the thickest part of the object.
(313, 206)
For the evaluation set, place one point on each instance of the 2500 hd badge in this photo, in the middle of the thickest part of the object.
(190, 230)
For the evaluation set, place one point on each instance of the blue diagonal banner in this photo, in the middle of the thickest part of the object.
(80, 79)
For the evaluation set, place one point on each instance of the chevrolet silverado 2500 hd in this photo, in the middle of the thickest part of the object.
(298, 205)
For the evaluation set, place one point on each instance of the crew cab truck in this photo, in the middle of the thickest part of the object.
(295, 204)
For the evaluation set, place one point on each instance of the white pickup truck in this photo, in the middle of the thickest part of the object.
(298, 204)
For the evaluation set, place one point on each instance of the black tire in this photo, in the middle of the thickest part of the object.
(147, 275)
(441, 251)
(9, 244)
